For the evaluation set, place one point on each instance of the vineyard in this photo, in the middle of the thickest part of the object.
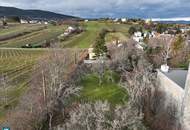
(19, 30)
(16, 67)
(34, 35)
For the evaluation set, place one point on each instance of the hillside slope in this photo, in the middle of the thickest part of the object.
(33, 14)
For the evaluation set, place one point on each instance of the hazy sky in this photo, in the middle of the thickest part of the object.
(108, 8)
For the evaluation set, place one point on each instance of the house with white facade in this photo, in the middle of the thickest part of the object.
(184, 30)
(71, 29)
(33, 22)
(138, 37)
(45, 23)
(116, 20)
(124, 20)
(91, 54)
(23, 21)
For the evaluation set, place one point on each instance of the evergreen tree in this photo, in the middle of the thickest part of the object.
(132, 30)
(99, 46)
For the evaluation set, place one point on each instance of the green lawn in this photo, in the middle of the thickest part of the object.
(110, 37)
(109, 91)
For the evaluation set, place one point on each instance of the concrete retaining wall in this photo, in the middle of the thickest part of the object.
(174, 92)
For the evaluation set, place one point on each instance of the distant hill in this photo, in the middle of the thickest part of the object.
(32, 14)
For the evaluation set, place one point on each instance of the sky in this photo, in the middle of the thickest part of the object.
(108, 8)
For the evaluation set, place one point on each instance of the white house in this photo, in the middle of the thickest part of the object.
(138, 34)
(184, 30)
(116, 20)
(138, 37)
(45, 23)
(22, 21)
(33, 21)
(71, 29)
(124, 20)
(91, 54)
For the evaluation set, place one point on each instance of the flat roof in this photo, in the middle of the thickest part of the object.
(178, 76)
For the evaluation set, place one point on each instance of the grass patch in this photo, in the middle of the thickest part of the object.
(116, 35)
(109, 91)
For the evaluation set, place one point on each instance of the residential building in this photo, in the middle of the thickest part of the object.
(91, 54)
(124, 20)
(23, 21)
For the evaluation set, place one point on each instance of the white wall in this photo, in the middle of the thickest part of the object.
(173, 91)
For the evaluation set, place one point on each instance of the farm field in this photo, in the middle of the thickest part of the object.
(87, 38)
(19, 30)
(110, 37)
(36, 37)
(16, 66)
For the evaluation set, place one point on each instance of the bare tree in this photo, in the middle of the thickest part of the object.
(51, 86)
(100, 116)
(99, 67)
(159, 49)
(4, 86)
(167, 48)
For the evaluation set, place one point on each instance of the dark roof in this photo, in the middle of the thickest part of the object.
(178, 76)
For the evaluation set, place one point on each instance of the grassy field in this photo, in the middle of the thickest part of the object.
(110, 37)
(20, 35)
(86, 38)
(35, 37)
(109, 91)
(16, 67)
